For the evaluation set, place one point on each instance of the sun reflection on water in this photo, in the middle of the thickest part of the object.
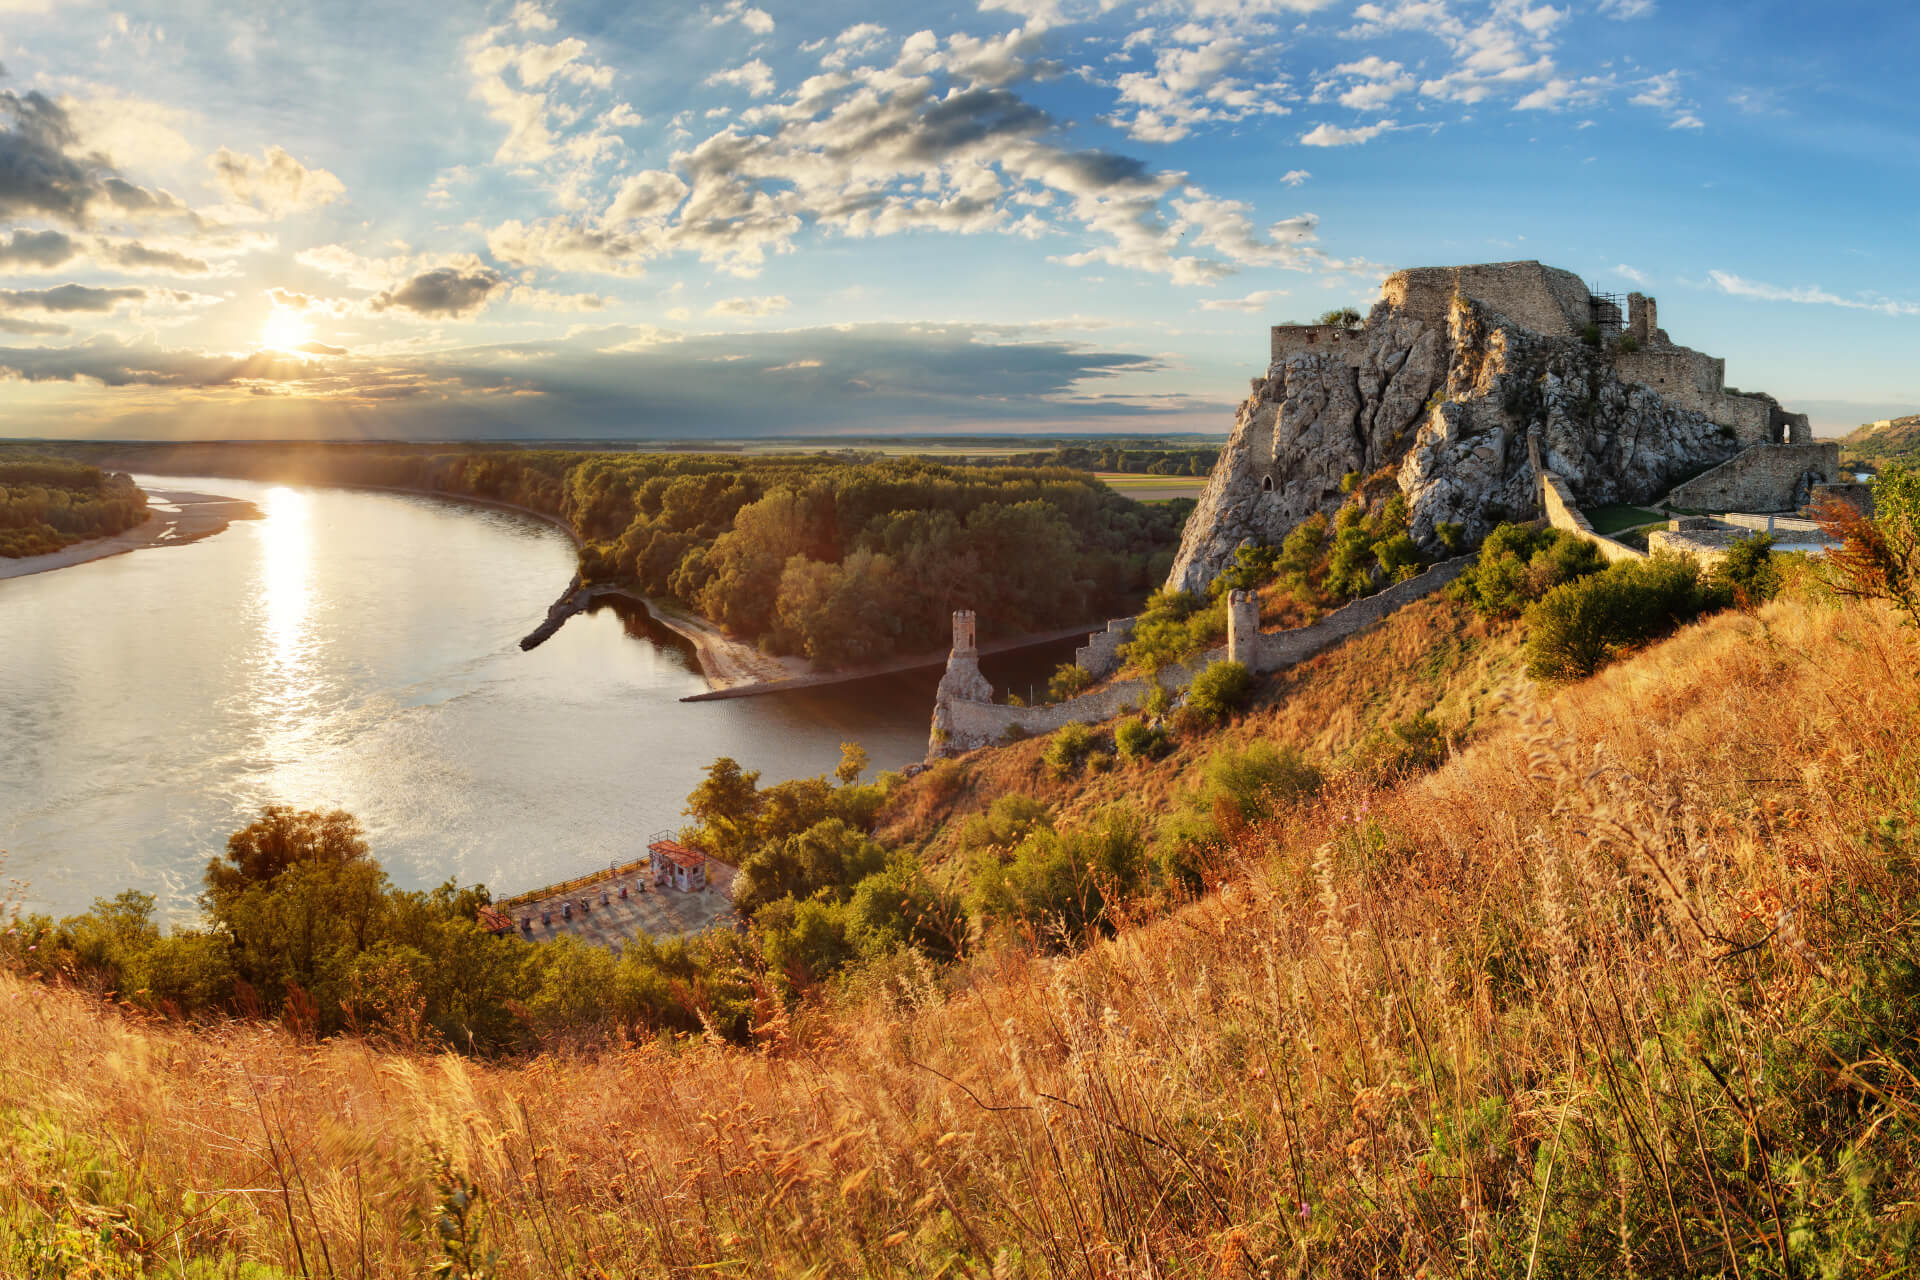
(286, 598)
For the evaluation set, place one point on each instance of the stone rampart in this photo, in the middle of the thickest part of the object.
(1333, 340)
(1557, 501)
(1277, 649)
(964, 724)
(1767, 477)
(1099, 657)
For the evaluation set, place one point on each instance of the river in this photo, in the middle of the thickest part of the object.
(360, 650)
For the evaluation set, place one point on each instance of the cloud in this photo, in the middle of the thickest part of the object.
(47, 171)
(30, 328)
(1331, 135)
(131, 255)
(748, 308)
(444, 292)
(526, 295)
(274, 185)
(1740, 287)
(36, 250)
(1631, 274)
(112, 363)
(651, 193)
(1200, 77)
(320, 349)
(69, 297)
(1256, 301)
(1294, 177)
(756, 77)
(1625, 10)
(758, 21)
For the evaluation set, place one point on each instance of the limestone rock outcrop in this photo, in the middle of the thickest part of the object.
(1453, 369)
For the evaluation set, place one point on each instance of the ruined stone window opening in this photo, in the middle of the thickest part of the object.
(1266, 484)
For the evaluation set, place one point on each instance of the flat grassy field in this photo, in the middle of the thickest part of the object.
(1615, 516)
(1152, 488)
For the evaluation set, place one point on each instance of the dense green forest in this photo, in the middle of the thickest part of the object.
(844, 561)
(50, 503)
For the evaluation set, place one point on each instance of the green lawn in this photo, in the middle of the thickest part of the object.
(1614, 517)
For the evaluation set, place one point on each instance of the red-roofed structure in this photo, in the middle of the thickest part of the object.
(678, 867)
(495, 921)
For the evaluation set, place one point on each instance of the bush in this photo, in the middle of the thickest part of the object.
(1068, 750)
(1064, 884)
(1173, 627)
(1519, 564)
(1219, 691)
(1580, 626)
(1137, 740)
(1747, 574)
(1235, 788)
(1069, 679)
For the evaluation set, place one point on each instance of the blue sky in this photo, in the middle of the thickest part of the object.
(554, 217)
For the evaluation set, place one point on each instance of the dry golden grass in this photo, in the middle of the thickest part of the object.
(1616, 991)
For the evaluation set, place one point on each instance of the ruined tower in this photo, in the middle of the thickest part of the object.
(1243, 627)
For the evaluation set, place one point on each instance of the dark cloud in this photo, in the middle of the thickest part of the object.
(445, 291)
(75, 297)
(962, 120)
(36, 250)
(45, 170)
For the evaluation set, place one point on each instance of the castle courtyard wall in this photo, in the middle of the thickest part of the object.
(1763, 478)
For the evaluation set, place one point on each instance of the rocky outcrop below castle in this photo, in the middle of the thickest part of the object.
(1452, 371)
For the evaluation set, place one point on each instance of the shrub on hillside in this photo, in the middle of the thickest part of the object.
(1138, 740)
(1879, 555)
(1173, 627)
(1580, 626)
(1068, 750)
(1064, 884)
(1219, 691)
(1748, 573)
(1519, 564)
(1237, 787)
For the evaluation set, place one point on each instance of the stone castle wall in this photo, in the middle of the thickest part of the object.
(1099, 657)
(1767, 477)
(1332, 340)
(962, 723)
(1557, 501)
(1546, 300)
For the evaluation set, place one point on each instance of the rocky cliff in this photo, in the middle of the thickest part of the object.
(1444, 386)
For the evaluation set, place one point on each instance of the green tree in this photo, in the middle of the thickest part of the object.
(725, 805)
(853, 763)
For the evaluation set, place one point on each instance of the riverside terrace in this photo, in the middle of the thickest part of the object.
(602, 916)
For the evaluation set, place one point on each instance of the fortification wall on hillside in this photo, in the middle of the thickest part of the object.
(1557, 501)
(1100, 655)
(1767, 477)
(1332, 340)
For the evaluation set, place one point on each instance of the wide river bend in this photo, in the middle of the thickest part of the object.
(361, 650)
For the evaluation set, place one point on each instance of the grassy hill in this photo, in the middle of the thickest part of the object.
(1628, 985)
(1898, 441)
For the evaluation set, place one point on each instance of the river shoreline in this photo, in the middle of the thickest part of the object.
(731, 668)
(192, 516)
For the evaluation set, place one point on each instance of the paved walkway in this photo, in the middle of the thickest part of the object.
(646, 910)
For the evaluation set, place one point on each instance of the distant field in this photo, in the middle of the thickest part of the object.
(1152, 488)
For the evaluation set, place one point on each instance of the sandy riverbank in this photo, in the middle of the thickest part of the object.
(176, 517)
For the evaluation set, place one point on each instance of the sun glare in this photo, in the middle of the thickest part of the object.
(284, 330)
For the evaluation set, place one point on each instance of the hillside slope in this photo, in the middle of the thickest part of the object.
(1628, 985)
(1898, 441)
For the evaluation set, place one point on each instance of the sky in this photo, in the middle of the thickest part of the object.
(621, 219)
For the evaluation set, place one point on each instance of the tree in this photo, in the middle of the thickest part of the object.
(726, 804)
(282, 837)
(1345, 317)
(1879, 555)
(853, 763)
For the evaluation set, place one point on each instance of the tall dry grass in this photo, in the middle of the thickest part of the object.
(1627, 988)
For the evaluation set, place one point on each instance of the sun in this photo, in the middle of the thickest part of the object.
(284, 330)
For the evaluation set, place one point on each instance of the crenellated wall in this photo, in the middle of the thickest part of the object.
(1100, 655)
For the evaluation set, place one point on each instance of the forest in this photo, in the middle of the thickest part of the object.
(50, 503)
(846, 562)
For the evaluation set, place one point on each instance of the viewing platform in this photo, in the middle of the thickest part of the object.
(673, 892)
